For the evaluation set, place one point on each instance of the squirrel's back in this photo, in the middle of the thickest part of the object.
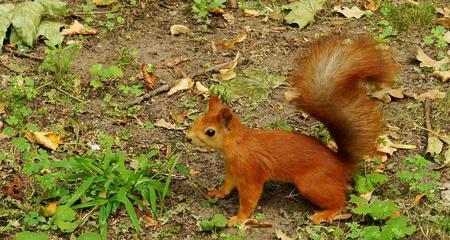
(330, 84)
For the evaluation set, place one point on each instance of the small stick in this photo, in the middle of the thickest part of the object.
(26, 55)
(163, 88)
(211, 69)
(70, 95)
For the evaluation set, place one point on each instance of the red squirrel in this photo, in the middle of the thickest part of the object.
(330, 83)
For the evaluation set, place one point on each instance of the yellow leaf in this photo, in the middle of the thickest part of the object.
(431, 94)
(178, 29)
(103, 2)
(2, 107)
(229, 43)
(353, 12)
(443, 75)
(77, 29)
(49, 210)
(49, 140)
(182, 84)
(426, 61)
(251, 13)
(434, 146)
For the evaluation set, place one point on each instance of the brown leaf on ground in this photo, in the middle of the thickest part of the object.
(77, 29)
(444, 11)
(426, 61)
(173, 62)
(384, 95)
(343, 216)
(367, 196)
(230, 43)
(14, 188)
(430, 94)
(178, 29)
(418, 199)
(353, 12)
(228, 17)
(371, 5)
(227, 72)
(150, 221)
(201, 89)
(216, 10)
(253, 223)
(2, 107)
(385, 145)
(182, 84)
(443, 75)
(251, 13)
(164, 124)
(281, 235)
(149, 78)
(444, 22)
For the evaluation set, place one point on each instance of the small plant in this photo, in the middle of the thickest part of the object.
(59, 60)
(405, 16)
(216, 222)
(280, 124)
(383, 211)
(202, 8)
(437, 37)
(367, 183)
(419, 176)
(388, 30)
(102, 72)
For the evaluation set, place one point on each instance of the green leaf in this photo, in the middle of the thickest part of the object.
(80, 191)
(5, 21)
(54, 7)
(398, 227)
(89, 236)
(103, 215)
(65, 219)
(31, 235)
(26, 17)
(302, 12)
(382, 209)
(97, 202)
(219, 220)
(51, 31)
(121, 197)
(96, 84)
(365, 184)
(255, 84)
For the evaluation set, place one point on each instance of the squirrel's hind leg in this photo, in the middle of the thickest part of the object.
(324, 191)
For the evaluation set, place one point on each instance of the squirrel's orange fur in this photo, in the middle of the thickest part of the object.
(330, 85)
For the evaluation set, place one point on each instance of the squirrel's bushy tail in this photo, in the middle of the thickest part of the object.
(331, 85)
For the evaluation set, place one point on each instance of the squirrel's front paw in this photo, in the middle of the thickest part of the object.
(216, 193)
(233, 220)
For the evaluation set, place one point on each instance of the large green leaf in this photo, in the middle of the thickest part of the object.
(31, 235)
(5, 21)
(256, 84)
(51, 31)
(26, 18)
(54, 7)
(65, 219)
(302, 12)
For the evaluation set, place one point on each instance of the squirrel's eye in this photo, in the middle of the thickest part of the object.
(210, 132)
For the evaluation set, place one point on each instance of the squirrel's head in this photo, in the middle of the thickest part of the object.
(211, 128)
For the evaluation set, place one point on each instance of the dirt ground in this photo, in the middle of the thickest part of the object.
(147, 30)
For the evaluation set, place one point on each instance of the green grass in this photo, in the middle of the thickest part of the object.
(404, 17)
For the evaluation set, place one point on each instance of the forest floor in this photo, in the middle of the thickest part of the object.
(85, 108)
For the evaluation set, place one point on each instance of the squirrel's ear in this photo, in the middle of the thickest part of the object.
(225, 116)
(214, 101)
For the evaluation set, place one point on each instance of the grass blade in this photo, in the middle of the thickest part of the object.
(97, 202)
(80, 191)
(169, 177)
(103, 215)
(121, 197)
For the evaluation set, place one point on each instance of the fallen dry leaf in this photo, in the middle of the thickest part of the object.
(49, 140)
(229, 43)
(434, 146)
(227, 72)
(444, 11)
(173, 62)
(444, 22)
(103, 2)
(371, 5)
(281, 235)
(426, 61)
(430, 94)
(385, 145)
(447, 36)
(253, 223)
(343, 216)
(216, 10)
(2, 107)
(178, 29)
(150, 221)
(202, 89)
(418, 199)
(77, 29)
(443, 75)
(149, 78)
(164, 124)
(251, 13)
(193, 171)
(182, 84)
(403, 146)
(367, 196)
(14, 188)
(353, 12)
(384, 95)
(228, 17)
(1, 125)
(49, 209)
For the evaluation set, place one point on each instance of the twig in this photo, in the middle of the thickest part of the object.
(70, 95)
(92, 13)
(26, 55)
(147, 96)
(427, 110)
(211, 69)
